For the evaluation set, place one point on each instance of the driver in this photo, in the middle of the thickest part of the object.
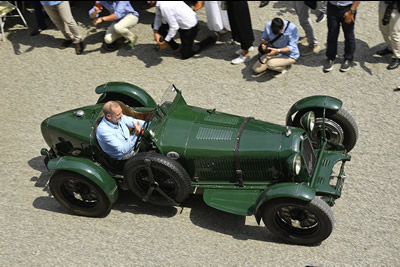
(113, 134)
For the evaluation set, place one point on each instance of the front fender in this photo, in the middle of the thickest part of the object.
(127, 89)
(283, 190)
(318, 101)
(88, 169)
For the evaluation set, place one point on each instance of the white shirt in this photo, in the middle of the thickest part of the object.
(177, 14)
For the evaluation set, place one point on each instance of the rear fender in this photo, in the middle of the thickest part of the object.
(127, 90)
(311, 102)
(283, 190)
(88, 169)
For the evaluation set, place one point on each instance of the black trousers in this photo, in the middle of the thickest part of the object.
(335, 16)
(240, 21)
(188, 49)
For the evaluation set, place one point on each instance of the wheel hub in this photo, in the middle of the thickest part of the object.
(334, 132)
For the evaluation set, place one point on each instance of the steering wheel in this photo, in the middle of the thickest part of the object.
(140, 135)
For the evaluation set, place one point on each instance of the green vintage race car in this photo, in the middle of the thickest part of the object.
(288, 176)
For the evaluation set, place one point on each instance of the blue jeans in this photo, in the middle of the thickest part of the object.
(335, 18)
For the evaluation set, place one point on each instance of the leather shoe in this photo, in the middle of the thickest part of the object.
(65, 44)
(384, 51)
(394, 64)
(79, 47)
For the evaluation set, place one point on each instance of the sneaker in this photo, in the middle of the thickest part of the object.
(240, 59)
(321, 17)
(239, 51)
(328, 65)
(384, 52)
(133, 43)
(346, 65)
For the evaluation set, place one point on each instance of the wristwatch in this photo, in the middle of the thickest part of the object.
(353, 11)
(102, 19)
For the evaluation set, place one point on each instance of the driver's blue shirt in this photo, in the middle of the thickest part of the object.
(115, 139)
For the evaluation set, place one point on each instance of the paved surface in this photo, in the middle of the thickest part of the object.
(38, 80)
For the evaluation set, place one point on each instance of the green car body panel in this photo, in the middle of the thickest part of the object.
(318, 101)
(127, 89)
(203, 142)
(88, 169)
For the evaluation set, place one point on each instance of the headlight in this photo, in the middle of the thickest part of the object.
(295, 164)
(307, 121)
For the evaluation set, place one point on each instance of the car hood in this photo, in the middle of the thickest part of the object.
(207, 139)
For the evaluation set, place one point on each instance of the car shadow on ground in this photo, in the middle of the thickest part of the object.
(222, 222)
(201, 215)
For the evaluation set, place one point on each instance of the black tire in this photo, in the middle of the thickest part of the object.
(340, 128)
(157, 179)
(79, 195)
(299, 222)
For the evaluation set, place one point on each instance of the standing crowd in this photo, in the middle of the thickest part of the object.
(278, 48)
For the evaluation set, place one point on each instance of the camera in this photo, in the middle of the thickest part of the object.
(388, 13)
(261, 51)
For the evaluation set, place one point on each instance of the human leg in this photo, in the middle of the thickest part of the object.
(395, 33)
(55, 17)
(122, 27)
(395, 39)
(261, 64)
(72, 28)
(111, 34)
(303, 13)
(384, 28)
(279, 63)
(39, 15)
(349, 40)
(187, 40)
(333, 32)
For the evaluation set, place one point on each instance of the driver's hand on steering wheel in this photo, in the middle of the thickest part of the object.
(137, 128)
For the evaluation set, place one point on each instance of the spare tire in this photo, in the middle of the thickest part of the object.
(157, 179)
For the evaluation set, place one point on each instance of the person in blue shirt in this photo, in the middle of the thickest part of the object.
(123, 18)
(113, 134)
(278, 46)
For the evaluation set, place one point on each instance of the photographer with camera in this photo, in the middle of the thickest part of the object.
(278, 48)
(389, 25)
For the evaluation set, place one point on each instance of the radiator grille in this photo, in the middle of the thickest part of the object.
(309, 156)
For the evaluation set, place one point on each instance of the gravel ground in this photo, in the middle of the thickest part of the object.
(38, 80)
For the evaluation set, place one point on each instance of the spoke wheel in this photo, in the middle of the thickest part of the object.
(299, 222)
(157, 179)
(79, 195)
(340, 128)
